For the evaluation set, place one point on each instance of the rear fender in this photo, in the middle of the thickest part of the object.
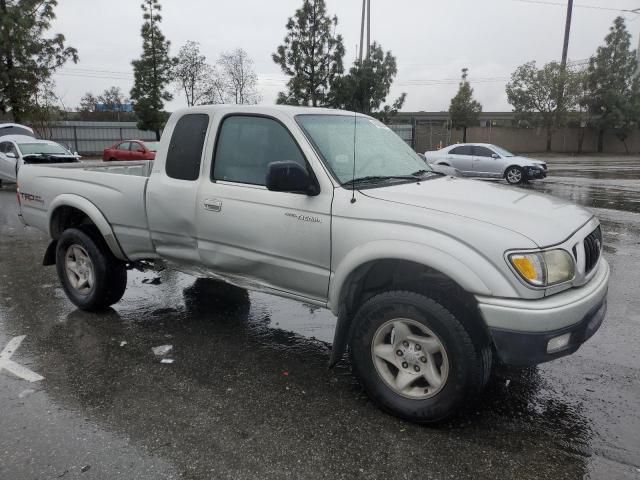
(93, 213)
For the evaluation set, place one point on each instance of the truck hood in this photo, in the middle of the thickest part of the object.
(544, 219)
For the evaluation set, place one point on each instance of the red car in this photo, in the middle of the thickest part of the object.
(131, 150)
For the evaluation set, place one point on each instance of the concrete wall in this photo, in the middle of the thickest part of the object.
(531, 140)
(91, 138)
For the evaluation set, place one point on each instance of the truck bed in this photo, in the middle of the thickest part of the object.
(117, 189)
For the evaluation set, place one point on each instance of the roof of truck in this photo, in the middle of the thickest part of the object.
(24, 139)
(265, 109)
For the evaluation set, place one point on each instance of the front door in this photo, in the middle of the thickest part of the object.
(257, 237)
(484, 162)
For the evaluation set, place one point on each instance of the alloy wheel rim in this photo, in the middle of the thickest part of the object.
(79, 269)
(514, 175)
(411, 360)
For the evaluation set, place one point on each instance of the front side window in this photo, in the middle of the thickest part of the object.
(248, 144)
(377, 151)
(124, 146)
(482, 152)
(185, 150)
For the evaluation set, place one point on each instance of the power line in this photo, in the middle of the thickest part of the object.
(592, 7)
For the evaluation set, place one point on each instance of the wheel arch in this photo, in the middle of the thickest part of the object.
(504, 172)
(443, 278)
(68, 211)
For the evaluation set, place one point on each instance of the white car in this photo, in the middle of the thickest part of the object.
(16, 150)
(485, 160)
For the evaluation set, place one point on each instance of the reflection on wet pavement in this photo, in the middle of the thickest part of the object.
(249, 394)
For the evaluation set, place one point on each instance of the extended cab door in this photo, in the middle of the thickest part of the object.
(173, 188)
(275, 240)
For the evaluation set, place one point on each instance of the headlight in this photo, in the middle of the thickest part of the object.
(543, 269)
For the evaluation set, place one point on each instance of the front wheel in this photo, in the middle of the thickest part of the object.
(414, 358)
(91, 276)
(514, 175)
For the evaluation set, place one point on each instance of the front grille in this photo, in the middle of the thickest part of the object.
(592, 247)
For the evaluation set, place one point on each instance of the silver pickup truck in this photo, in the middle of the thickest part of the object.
(431, 277)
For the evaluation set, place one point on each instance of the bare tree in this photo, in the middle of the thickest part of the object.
(239, 77)
(192, 74)
(113, 99)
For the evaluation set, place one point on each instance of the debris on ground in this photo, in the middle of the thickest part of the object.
(123, 343)
(507, 383)
(162, 350)
(167, 360)
(26, 393)
(152, 281)
(85, 468)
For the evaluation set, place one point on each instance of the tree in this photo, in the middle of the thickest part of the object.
(88, 103)
(612, 86)
(113, 99)
(534, 95)
(464, 110)
(27, 57)
(192, 73)
(239, 78)
(365, 88)
(311, 55)
(152, 72)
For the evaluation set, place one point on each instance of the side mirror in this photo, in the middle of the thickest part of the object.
(495, 155)
(10, 155)
(140, 150)
(289, 176)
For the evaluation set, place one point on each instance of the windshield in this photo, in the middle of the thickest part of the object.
(502, 152)
(152, 146)
(42, 149)
(379, 152)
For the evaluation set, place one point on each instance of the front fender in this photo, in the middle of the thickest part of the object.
(94, 214)
(462, 270)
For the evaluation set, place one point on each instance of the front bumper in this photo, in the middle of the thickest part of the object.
(534, 173)
(521, 329)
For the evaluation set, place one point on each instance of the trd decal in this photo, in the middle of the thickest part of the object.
(29, 197)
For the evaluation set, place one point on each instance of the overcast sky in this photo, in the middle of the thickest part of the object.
(432, 40)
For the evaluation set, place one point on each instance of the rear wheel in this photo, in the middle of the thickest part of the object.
(91, 276)
(414, 358)
(514, 175)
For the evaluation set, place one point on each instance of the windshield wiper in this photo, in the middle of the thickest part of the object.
(380, 178)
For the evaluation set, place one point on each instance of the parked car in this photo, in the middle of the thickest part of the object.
(431, 276)
(130, 150)
(18, 150)
(15, 129)
(485, 160)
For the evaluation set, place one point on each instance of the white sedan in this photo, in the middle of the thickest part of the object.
(16, 150)
(488, 161)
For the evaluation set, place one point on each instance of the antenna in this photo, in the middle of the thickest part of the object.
(353, 176)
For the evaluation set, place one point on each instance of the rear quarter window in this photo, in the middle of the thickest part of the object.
(185, 149)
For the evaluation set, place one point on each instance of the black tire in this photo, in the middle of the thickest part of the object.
(109, 273)
(514, 175)
(469, 362)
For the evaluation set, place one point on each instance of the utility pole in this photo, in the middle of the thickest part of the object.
(366, 12)
(364, 6)
(368, 28)
(567, 30)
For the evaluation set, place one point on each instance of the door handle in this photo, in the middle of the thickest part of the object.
(212, 204)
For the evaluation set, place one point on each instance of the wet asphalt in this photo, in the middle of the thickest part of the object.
(249, 395)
